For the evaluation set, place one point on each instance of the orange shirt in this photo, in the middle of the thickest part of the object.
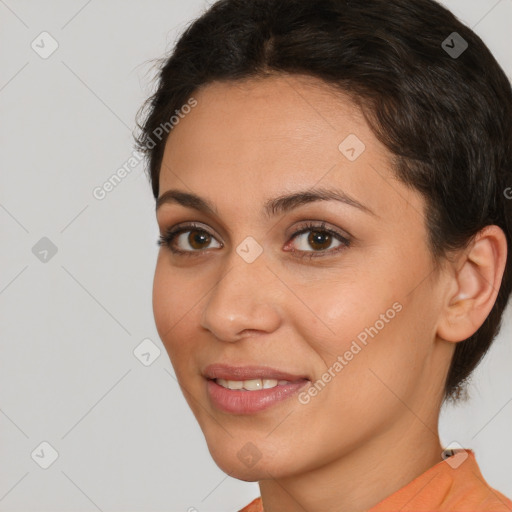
(454, 484)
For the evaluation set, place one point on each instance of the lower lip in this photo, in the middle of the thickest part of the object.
(247, 402)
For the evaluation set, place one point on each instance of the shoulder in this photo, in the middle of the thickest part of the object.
(254, 506)
(454, 484)
(471, 490)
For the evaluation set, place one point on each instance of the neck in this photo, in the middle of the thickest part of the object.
(362, 477)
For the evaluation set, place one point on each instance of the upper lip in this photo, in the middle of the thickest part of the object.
(229, 372)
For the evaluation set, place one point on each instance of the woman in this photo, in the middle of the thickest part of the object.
(331, 185)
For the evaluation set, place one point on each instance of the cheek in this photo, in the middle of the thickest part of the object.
(340, 310)
(365, 329)
(163, 301)
(173, 306)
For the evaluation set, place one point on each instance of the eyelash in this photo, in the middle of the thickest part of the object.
(168, 237)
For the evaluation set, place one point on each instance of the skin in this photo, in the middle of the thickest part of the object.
(373, 428)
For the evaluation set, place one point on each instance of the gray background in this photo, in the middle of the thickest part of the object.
(125, 437)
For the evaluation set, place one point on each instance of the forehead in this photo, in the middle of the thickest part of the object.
(275, 109)
(258, 138)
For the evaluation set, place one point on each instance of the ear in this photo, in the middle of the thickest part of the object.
(474, 285)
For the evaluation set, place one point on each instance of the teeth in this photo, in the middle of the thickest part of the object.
(251, 385)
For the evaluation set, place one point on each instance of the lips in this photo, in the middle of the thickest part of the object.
(229, 372)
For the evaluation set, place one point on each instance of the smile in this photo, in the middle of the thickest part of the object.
(252, 384)
(250, 396)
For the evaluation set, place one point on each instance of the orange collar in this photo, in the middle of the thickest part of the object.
(454, 484)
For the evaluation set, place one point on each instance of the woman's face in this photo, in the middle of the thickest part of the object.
(350, 304)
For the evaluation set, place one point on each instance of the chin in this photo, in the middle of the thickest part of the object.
(249, 465)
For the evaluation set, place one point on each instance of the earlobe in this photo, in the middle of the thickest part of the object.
(475, 285)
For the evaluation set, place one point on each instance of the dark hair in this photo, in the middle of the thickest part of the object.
(446, 118)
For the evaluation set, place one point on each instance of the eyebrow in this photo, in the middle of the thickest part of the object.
(272, 207)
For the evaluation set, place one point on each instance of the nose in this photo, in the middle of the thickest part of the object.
(244, 300)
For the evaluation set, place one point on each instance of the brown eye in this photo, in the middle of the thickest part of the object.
(319, 239)
(196, 238)
(318, 242)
